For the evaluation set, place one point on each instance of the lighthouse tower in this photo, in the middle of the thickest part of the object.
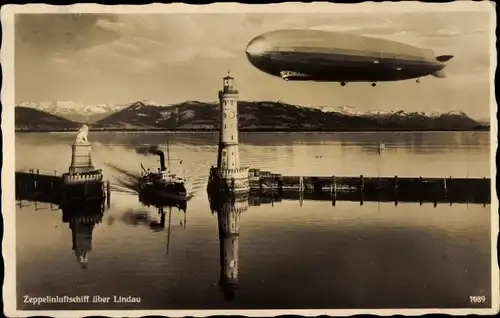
(233, 177)
(228, 156)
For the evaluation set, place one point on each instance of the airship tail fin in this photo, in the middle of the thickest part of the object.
(439, 74)
(444, 58)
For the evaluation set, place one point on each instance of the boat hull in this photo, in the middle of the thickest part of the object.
(174, 191)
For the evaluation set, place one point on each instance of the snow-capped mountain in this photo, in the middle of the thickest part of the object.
(148, 102)
(76, 111)
(351, 111)
(402, 113)
(146, 113)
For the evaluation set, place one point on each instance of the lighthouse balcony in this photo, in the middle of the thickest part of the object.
(223, 182)
(228, 93)
(95, 176)
(240, 173)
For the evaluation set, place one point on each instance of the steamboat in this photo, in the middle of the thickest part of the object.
(162, 184)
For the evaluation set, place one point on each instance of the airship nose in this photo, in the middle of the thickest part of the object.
(257, 47)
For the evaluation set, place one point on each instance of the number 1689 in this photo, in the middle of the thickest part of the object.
(477, 299)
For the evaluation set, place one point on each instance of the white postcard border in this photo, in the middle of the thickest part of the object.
(8, 181)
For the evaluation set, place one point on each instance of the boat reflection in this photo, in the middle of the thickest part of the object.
(163, 204)
(228, 219)
(149, 199)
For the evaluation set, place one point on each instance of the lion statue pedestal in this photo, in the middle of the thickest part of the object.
(81, 160)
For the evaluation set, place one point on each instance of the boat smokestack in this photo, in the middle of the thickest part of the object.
(162, 160)
(154, 150)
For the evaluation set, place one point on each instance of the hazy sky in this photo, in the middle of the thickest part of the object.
(96, 58)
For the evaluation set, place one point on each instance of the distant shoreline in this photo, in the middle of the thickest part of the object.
(250, 130)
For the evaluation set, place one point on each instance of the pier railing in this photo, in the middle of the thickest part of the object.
(415, 189)
(36, 186)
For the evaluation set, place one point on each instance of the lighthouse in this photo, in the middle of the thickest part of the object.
(229, 176)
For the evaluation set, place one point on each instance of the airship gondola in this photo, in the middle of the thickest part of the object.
(322, 56)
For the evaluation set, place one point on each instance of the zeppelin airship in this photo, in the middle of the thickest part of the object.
(323, 56)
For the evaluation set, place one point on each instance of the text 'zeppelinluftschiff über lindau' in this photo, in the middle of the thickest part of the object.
(80, 299)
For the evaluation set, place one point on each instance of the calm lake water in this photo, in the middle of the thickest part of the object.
(288, 255)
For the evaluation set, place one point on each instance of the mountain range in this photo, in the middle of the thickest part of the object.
(258, 115)
(75, 111)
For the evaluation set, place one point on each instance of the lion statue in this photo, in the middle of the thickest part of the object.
(81, 137)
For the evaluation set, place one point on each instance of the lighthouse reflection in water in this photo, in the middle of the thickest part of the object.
(228, 218)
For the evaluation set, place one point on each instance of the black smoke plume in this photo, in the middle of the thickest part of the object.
(153, 150)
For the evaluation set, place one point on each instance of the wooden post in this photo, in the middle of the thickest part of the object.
(301, 184)
(445, 189)
(334, 187)
(396, 190)
(420, 183)
(487, 193)
(449, 186)
(108, 194)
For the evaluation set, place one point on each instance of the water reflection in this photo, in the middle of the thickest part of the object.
(228, 222)
(162, 205)
(363, 239)
(425, 239)
(82, 219)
